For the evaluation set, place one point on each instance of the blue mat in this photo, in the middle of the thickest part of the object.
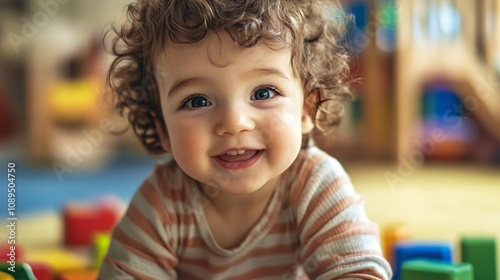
(39, 189)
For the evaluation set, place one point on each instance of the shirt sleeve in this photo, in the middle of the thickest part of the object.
(338, 240)
(142, 243)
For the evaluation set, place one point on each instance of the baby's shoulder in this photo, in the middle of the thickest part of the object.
(168, 174)
(314, 161)
(314, 172)
(168, 182)
(162, 200)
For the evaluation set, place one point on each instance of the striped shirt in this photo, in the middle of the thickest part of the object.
(314, 227)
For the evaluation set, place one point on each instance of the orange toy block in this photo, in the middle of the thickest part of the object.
(79, 275)
(391, 235)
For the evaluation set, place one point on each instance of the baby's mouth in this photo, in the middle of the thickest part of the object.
(238, 156)
(238, 159)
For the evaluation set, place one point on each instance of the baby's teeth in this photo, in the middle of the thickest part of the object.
(233, 153)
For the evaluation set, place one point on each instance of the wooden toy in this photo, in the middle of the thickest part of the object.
(411, 250)
(434, 270)
(421, 34)
(481, 253)
(7, 120)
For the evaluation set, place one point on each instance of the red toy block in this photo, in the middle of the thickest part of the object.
(42, 271)
(11, 251)
(83, 221)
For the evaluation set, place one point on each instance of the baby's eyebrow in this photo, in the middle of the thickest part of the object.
(185, 83)
(200, 80)
(269, 71)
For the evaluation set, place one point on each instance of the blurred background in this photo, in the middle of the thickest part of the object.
(421, 141)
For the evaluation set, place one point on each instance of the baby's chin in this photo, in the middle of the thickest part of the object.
(237, 187)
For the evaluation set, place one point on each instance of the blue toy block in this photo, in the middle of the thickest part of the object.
(405, 251)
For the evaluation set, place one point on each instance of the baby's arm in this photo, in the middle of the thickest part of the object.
(141, 243)
(338, 240)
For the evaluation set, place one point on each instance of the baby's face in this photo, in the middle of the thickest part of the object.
(234, 116)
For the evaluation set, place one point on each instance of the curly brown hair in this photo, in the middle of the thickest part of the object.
(315, 27)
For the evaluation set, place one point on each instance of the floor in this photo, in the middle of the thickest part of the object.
(42, 189)
(437, 201)
(41, 195)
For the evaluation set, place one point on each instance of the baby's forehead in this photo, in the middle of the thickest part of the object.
(221, 50)
(217, 60)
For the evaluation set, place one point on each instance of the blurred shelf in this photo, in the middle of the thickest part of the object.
(456, 56)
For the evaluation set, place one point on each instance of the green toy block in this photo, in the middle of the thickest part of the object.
(20, 271)
(435, 270)
(101, 245)
(481, 253)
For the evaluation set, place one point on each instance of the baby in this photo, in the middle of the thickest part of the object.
(232, 90)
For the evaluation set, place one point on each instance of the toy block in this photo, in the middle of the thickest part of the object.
(391, 235)
(11, 252)
(6, 276)
(20, 271)
(79, 275)
(42, 271)
(83, 221)
(481, 253)
(411, 250)
(101, 245)
(434, 270)
(58, 260)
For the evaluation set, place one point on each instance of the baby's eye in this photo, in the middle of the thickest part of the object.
(264, 93)
(196, 102)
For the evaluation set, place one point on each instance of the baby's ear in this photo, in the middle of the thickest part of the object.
(309, 105)
(307, 123)
(161, 129)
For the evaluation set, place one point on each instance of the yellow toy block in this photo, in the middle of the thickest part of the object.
(6, 276)
(393, 234)
(59, 259)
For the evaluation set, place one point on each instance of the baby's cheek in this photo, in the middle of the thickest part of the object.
(276, 129)
(283, 121)
(286, 128)
(185, 142)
